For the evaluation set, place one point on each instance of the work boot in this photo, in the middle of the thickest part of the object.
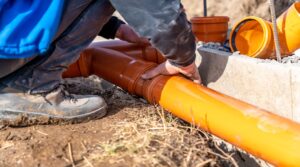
(22, 109)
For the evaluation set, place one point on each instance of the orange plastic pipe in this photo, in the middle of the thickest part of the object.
(288, 25)
(259, 132)
(148, 53)
(253, 36)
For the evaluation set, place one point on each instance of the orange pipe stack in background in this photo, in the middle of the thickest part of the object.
(253, 36)
(259, 132)
(210, 29)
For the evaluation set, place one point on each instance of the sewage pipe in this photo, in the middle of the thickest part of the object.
(254, 37)
(136, 51)
(257, 131)
(210, 29)
(288, 25)
(145, 52)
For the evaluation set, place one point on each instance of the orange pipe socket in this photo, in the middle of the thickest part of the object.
(253, 36)
(210, 29)
(261, 133)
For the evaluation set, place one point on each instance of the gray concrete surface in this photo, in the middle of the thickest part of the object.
(266, 84)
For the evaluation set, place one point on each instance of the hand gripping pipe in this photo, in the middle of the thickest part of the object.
(259, 132)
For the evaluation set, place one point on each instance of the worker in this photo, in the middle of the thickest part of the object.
(40, 39)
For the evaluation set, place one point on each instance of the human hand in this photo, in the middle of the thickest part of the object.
(126, 33)
(166, 68)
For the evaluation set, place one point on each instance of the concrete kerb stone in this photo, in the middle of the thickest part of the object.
(295, 87)
(266, 84)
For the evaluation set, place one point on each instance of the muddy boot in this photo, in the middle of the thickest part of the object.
(23, 109)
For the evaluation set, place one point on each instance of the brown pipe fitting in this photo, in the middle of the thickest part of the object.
(120, 69)
(81, 68)
(210, 29)
(118, 45)
(72, 71)
(136, 51)
(153, 88)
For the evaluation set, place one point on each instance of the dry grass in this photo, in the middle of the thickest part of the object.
(151, 137)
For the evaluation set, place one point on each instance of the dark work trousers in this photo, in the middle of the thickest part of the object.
(81, 22)
(162, 21)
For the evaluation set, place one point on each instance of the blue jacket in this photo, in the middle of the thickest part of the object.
(27, 27)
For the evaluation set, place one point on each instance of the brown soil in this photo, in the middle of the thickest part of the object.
(134, 133)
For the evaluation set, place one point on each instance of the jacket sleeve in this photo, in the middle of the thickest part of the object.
(176, 42)
(165, 23)
(110, 29)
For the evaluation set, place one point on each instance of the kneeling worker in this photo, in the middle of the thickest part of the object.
(40, 39)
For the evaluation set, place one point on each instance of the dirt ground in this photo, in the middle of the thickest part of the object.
(134, 133)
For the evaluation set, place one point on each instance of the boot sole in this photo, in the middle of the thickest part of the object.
(17, 118)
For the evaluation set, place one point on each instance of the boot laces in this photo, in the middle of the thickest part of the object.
(65, 94)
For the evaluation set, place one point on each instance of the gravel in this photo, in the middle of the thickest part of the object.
(214, 45)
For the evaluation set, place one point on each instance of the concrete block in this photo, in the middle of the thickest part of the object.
(297, 52)
(295, 87)
(266, 84)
